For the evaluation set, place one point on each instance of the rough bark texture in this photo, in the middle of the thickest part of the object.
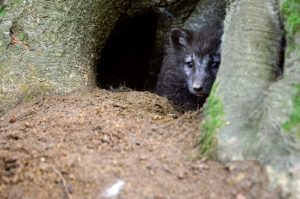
(254, 108)
(51, 46)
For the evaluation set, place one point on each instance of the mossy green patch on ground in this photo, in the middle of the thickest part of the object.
(213, 120)
(294, 120)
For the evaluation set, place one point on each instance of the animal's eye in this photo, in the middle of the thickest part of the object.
(190, 64)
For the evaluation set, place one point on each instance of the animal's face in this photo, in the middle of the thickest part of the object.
(201, 72)
(198, 56)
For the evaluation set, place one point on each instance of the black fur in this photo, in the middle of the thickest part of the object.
(187, 83)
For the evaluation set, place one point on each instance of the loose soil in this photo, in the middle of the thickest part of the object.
(80, 144)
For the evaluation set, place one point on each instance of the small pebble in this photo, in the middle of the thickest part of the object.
(13, 120)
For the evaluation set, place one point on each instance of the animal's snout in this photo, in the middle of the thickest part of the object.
(198, 88)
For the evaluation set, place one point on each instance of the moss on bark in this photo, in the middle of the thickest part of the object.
(212, 122)
(293, 123)
(291, 14)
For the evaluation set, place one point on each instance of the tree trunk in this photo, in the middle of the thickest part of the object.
(51, 46)
(251, 111)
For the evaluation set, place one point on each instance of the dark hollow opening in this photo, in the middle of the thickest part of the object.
(126, 57)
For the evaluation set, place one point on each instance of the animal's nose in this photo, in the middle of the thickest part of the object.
(198, 88)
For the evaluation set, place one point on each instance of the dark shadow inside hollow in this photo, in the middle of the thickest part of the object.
(126, 57)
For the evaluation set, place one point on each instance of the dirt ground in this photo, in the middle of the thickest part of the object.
(81, 144)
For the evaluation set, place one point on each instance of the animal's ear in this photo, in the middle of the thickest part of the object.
(179, 38)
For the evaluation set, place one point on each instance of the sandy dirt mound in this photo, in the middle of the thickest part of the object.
(81, 144)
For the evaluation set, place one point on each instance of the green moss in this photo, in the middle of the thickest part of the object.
(23, 37)
(294, 120)
(291, 12)
(213, 120)
(2, 10)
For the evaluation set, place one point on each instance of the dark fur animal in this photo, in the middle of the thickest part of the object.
(190, 66)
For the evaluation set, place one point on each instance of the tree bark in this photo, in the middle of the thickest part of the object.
(51, 47)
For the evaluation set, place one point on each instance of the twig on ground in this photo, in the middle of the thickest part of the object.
(64, 182)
